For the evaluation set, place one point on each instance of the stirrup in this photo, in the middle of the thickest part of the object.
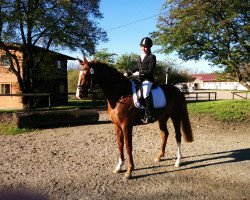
(148, 119)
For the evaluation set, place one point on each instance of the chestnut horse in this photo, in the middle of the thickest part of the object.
(118, 93)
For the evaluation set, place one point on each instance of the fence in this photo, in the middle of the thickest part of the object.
(94, 99)
(97, 99)
(237, 94)
(201, 96)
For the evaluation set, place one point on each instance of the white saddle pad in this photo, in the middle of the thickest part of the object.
(159, 99)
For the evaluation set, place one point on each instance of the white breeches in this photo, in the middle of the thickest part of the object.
(146, 87)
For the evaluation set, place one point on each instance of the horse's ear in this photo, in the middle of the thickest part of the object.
(80, 61)
(85, 59)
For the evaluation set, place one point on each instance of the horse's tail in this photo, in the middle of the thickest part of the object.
(185, 124)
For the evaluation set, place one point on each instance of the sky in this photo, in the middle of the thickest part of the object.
(127, 22)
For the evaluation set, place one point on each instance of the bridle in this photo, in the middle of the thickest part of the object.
(89, 76)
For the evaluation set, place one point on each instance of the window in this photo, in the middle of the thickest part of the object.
(5, 63)
(59, 64)
(5, 88)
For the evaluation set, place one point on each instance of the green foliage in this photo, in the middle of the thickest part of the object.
(222, 77)
(225, 110)
(105, 56)
(73, 75)
(160, 72)
(49, 24)
(178, 76)
(216, 30)
(126, 62)
(70, 24)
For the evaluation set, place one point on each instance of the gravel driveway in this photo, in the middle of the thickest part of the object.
(73, 163)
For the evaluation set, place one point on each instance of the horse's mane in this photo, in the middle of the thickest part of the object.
(110, 74)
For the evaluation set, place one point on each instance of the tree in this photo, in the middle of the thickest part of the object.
(48, 24)
(214, 30)
(105, 56)
(126, 62)
(176, 74)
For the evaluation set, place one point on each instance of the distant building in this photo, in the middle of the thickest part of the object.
(54, 81)
(209, 82)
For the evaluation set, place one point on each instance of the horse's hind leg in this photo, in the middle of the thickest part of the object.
(120, 140)
(164, 137)
(177, 126)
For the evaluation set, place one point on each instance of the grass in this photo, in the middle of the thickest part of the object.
(10, 129)
(224, 110)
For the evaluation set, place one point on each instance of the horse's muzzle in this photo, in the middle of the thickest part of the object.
(81, 94)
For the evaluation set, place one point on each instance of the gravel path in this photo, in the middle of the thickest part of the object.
(77, 163)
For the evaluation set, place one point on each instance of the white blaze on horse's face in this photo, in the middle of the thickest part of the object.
(83, 81)
(79, 88)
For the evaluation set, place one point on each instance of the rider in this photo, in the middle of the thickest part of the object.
(145, 68)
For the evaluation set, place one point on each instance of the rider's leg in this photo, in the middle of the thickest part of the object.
(146, 85)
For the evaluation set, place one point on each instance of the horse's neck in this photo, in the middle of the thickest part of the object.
(114, 92)
(113, 88)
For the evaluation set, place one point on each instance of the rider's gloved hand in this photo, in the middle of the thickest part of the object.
(136, 74)
(128, 73)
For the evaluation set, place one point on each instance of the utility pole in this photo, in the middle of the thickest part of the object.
(167, 70)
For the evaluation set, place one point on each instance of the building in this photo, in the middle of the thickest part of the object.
(209, 82)
(51, 77)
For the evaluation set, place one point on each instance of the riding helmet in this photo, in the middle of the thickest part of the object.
(146, 42)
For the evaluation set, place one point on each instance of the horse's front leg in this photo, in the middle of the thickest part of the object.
(127, 132)
(120, 141)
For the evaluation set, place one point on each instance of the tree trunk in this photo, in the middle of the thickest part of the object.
(28, 64)
(245, 84)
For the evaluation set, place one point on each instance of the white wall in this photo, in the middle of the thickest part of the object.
(223, 86)
(217, 85)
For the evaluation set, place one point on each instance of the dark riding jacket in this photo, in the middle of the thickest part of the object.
(146, 67)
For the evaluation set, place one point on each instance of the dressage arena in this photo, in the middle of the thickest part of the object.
(73, 163)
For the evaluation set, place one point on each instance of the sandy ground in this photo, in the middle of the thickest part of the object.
(77, 163)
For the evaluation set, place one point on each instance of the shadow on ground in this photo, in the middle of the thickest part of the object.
(233, 156)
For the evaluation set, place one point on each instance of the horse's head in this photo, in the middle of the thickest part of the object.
(85, 79)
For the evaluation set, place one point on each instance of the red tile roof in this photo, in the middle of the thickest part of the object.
(205, 77)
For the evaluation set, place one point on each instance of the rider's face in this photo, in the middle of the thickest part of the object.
(144, 49)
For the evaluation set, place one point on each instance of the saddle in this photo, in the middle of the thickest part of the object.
(158, 96)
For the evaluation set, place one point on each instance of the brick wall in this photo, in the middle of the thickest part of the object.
(6, 77)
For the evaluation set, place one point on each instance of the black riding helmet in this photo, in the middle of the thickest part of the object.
(146, 42)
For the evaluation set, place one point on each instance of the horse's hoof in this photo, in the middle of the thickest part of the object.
(127, 176)
(117, 171)
(157, 160)
(177, 165)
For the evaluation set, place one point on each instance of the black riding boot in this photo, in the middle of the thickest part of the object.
(149, 118)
